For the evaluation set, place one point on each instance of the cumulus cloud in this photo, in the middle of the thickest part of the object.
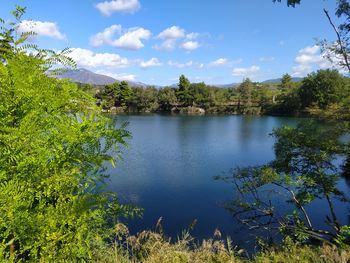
(171, 36)
(173, 32)
(190, 45)
(153, 62)
(106, 36)
(246, 72)
(116, 6)
(87, 58)
(131, 39)
(41, 28)
(311, 58)
(180, 65)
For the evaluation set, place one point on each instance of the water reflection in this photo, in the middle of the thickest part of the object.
(169, 165)
(301, 192)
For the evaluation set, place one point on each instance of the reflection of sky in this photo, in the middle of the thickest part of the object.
(169, 166)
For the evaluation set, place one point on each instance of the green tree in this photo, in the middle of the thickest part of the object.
(145, 99)
(109, 95)
(125, 93)
(183, 93)
(200, 94)
(322, 89)
(167, 98)
(245, 94)
(286, 82)
(54, 145)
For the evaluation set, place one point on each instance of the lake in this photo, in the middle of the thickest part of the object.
(170, 163)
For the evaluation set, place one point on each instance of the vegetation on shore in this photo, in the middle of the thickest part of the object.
(325, 92)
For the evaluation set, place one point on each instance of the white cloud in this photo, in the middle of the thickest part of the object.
(190, 45)
(173, 32)
(87, 58)
(172, 35)
(266, 59)
(109, 7)
(105, 37)
(41, 28)
(310, 59)
(180, 65)
(246, 72)
(219, 62)
(153, 62)
(131, 39)
(167, 45)
(118, 76)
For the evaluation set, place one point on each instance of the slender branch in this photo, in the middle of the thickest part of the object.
(342, 48)
(296, 201)
(334, 217)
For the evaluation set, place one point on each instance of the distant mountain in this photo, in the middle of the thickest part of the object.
(275, 81)
(85, 76)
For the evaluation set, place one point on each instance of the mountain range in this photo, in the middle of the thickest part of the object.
(85, 76)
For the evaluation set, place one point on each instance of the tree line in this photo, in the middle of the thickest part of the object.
(324, 91)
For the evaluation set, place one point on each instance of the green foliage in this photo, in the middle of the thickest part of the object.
(115, 95)
(54, 145)
(183, 93)
(167, 98)
(288, 103)
(304, 170)
(125, 93)
(286, 82)
(145, 99)
(343, 237)
(322, 89)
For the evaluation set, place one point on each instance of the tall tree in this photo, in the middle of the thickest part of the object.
(183, 92)
(125, 93)
(286, 82)
(245, 92)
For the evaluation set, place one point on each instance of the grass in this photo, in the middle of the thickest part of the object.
(153, 247)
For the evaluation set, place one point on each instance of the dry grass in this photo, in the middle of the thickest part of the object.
(153, 247)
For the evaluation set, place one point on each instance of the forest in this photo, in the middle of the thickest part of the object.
(325, 91)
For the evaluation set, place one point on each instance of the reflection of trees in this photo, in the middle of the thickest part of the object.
(277, 195)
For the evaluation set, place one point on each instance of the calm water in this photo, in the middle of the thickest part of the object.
(170, 163)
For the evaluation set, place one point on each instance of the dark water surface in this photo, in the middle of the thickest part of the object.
(169, 166)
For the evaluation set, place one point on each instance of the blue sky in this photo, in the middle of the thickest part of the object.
(154, 41)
